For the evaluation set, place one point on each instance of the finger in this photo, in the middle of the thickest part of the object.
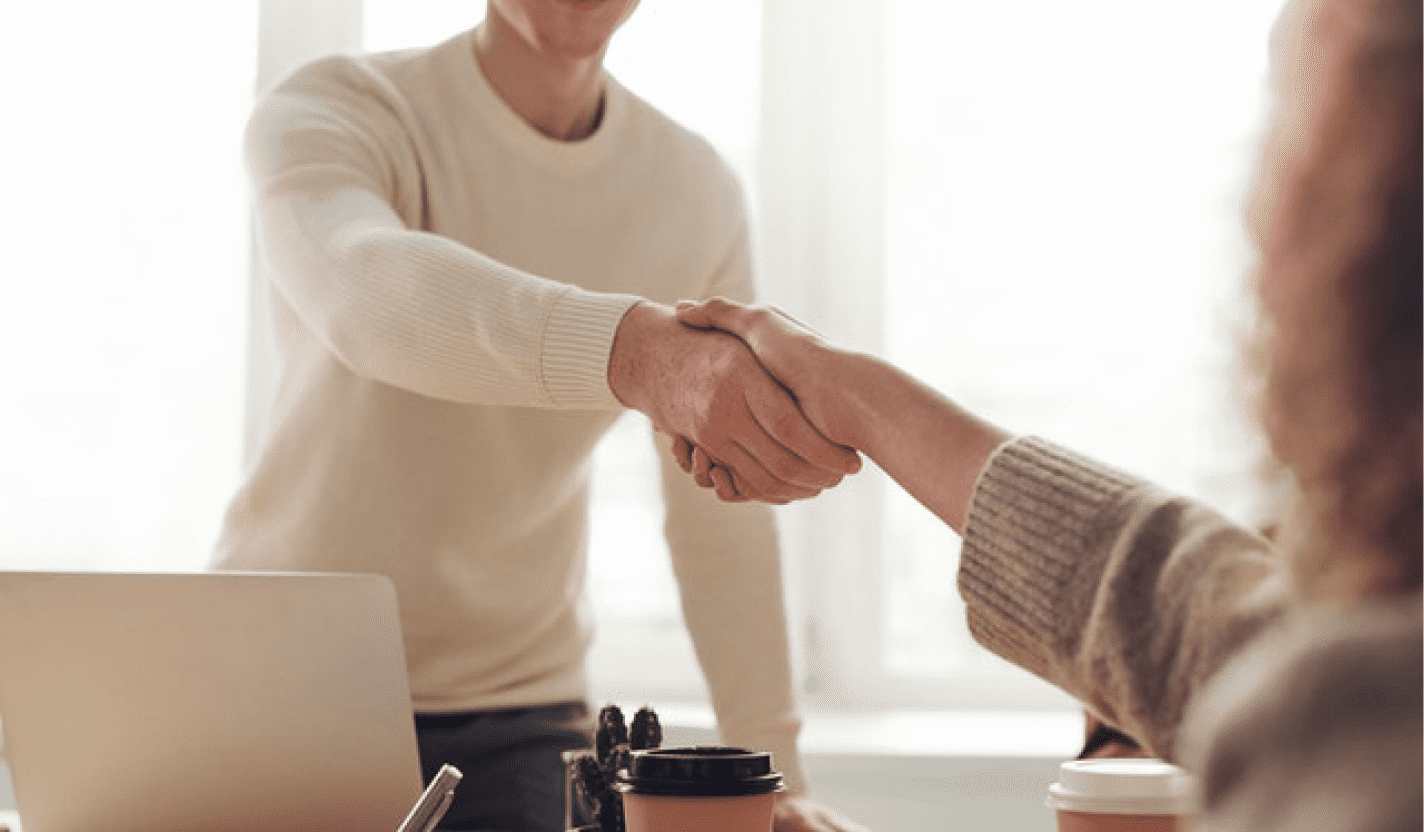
(702, 468)
(682, 453)
(782, 419)
(743, 496)
(753, 479)
(691, 313)
(779, 498)
(795, 451)
(726, 490)
(718, 313)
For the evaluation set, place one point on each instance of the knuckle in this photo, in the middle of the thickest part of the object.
(787, 468)
(786, 423)
(761, 484)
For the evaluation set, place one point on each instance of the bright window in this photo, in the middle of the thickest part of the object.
(1065, 251)
(1039, 203)
(125, 259)
(1051, 202)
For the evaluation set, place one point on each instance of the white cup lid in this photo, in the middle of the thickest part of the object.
(1123, 786)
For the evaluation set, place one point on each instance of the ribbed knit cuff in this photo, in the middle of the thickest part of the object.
(1033, 512)
(578, 337)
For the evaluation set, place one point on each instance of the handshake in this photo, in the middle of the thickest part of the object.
(756, 403)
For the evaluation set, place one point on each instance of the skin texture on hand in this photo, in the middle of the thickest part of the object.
(793, 353)
(707, 389)
(931, 446)
(798, 814)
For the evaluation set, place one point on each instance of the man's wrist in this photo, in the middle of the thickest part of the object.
(627, 358)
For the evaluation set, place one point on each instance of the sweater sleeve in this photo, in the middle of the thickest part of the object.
(727, 562)
(1127, 597)
(330, 160)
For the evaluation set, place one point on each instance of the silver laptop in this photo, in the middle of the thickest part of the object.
(212, 702)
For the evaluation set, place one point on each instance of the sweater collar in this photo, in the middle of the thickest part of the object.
(572, 159)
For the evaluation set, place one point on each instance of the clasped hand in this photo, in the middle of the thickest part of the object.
(710, 393)
(793, 354)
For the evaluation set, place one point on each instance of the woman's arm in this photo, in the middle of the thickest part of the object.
(1126, 596)
(931, 446)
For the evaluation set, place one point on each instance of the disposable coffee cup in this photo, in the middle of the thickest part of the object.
(699, 789)
(1122, 795)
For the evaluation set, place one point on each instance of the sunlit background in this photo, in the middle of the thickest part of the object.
(1035, 206)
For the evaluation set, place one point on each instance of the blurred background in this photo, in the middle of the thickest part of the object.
(1035, 206)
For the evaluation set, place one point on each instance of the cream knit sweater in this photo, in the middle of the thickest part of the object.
(447, 287)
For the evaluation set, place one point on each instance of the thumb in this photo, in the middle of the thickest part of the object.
(716, 313)
(694, 314)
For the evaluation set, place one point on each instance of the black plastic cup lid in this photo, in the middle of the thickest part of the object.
(699, 771)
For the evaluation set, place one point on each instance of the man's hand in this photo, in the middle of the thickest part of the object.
(798, 358)
(931, 446)
(797, 814)
(707, 390)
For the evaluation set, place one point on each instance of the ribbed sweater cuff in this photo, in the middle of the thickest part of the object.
(1033, 512)
(578, 337)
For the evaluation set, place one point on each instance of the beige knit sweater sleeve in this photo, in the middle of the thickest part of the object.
(1140, 603)
(333, 167)
(1125, 596)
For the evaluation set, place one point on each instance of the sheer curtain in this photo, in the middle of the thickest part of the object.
(1036, 207)
(1066, 250)
(1032, 205)
(124, 227)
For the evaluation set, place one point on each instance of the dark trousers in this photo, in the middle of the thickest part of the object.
(514, 774)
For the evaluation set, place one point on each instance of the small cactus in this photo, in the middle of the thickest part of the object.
(612, 732)
(646, 731)
(613, 745)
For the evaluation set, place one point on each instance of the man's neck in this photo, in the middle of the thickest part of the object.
(562, 98)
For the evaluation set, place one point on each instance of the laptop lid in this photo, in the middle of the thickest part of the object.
(212, 702)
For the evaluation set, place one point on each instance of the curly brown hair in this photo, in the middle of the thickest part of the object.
(1340, 289)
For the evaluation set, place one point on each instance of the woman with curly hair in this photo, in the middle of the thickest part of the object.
(1285, 674)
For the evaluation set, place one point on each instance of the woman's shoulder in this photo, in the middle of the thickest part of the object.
(1317, 725)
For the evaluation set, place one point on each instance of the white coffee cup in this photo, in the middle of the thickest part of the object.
(1122, 794)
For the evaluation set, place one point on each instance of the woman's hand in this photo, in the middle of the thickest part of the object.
(793, 354)
(708, 387)
(930, 445)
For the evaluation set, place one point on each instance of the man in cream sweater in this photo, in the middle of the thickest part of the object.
(473, 248)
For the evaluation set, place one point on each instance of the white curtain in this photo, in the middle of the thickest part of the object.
(1032, 205)
(123, 250)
